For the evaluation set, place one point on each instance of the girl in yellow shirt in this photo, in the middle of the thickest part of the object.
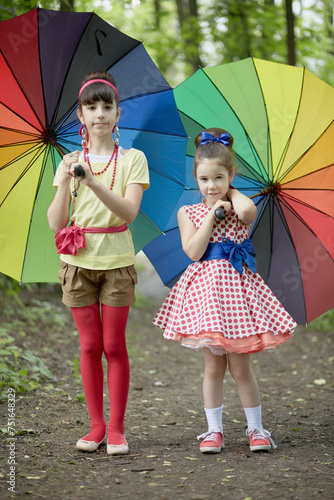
(96, 252)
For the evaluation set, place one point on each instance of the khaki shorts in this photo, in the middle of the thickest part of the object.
(84, 287)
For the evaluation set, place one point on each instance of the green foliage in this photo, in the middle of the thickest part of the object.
(19, 369)
(9, 289)
(181, 34)
(325, 322)
(142, 302)
(80, 398)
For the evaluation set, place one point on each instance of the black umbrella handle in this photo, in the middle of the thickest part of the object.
(79, 171)
(220, 213)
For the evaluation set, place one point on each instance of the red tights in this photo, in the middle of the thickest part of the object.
(104, 332)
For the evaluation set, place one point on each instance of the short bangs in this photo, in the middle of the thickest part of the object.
(98, 91)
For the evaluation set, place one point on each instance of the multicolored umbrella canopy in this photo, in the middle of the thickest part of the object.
(281, 118)
(44, 55)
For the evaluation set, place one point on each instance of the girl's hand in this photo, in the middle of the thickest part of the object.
(69, 161)
(87, 178)
(226, 205)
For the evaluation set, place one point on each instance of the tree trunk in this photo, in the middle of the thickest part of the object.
(67, 5)
(329, 23)
(290, 24)
(190, 31)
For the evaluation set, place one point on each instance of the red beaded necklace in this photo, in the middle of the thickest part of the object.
(114, 154)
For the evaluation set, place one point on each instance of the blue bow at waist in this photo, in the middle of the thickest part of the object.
(236, 253)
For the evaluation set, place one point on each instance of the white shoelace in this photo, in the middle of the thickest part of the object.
(261, 434)
(210, 436)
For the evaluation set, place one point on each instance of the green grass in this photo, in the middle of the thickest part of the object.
(325, 322)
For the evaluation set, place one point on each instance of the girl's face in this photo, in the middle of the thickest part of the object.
(99, 117)
(213, 180)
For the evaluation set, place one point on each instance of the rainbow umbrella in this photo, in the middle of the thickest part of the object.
(281, 118)
(44, 55)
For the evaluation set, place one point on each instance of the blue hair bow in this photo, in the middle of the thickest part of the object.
(224, 138)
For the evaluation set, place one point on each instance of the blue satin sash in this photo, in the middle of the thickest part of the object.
(234, 252)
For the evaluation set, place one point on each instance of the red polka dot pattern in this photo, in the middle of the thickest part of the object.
(211, 296)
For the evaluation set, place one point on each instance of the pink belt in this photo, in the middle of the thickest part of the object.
(71, 238)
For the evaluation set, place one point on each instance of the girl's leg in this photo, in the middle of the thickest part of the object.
(215, 367)
(214, 372)
(114, 321)
(242, 373)
(88, 322)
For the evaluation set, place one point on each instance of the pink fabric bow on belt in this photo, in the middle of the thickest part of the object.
(70, 239)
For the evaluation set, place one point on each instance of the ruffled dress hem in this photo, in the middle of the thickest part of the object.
(219, 345)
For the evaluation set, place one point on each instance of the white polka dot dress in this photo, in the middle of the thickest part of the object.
(213, 306)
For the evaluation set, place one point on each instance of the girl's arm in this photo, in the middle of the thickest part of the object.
(195, 241)
(59, 210)
(125, 208)
(243, 206)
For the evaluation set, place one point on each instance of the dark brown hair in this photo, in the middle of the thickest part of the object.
(215, 150)
(98, 91)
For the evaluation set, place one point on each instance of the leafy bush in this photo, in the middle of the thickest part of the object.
(21, 370)
(325, 322)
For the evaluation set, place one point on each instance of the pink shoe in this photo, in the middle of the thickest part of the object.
(260, 440)
(213, 442)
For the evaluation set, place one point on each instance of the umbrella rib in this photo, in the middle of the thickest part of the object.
(291, 210)
(302, 156)
(286, 226)
(170, 178)
(280, 163)
(303, 203)
(131, 98)
(259, 164)
(254, 182)
(269, 149)
(70, 65)
(26, 98)
(55, 112)
(168, 134)
(34, 205)
(154, 224)
(22, 119)
(242, 161)
(37, 136)
(38, 152)
(258, 219)
(26, 153)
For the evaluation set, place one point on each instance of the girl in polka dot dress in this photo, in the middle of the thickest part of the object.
(220, 303)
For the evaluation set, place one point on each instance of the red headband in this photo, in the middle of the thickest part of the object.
(99, 80)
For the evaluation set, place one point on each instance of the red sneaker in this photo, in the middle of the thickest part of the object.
(260, 440)
(213, 442)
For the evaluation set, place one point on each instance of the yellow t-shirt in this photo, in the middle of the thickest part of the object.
(105, 250)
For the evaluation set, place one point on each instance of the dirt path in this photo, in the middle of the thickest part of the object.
(164, 416)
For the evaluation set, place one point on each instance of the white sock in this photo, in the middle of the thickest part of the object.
(253, 416)
(214, 418)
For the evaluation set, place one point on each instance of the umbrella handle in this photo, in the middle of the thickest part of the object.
(220, 213)
(79, 171)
